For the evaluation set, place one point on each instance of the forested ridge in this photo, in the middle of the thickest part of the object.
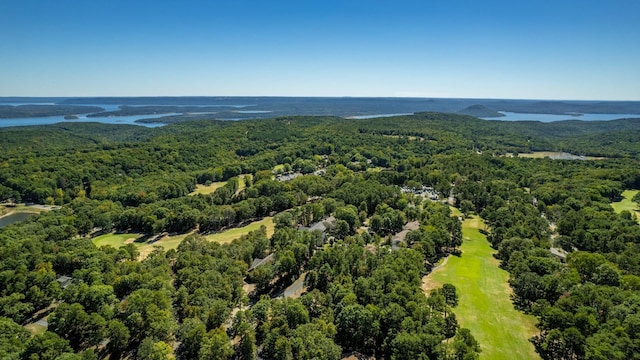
(366, 180)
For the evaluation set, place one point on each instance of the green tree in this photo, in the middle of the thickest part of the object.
(81, 329)
(119, 337)
(151, 349)
(216, 346)
(47, 346)
(13, 338)
(191, 335)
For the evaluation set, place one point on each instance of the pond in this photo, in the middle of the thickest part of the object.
(14, 218)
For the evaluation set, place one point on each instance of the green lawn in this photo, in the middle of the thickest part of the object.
(207, 189)
(172, 242)
(115, 240)
(485, 305)
(235, 233)
(627, 203)
(241, 182)
(36, 329)
(167, 243)
(145, 248)
(455, 211)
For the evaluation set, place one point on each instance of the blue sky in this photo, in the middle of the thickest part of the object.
(542, 49)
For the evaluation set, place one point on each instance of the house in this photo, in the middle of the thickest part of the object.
(322, 226)
(64, 281)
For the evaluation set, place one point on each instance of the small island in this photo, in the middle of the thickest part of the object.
(71, 117)
(480, 111)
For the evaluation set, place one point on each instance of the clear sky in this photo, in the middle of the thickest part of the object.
(545, 49)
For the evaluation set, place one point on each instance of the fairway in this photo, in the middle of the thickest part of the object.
(485, 305)
(208, 189)
(627, 203)
(235, 233)
(115, 240)
(167, 243)
(172, 242)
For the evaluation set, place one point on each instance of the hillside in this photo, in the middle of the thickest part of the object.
(480, 111)
(356, 214)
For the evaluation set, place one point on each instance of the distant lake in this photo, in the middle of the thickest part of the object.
(511, 116)
(361, 117)
(47, 120)
(13, 218)
(127, 120)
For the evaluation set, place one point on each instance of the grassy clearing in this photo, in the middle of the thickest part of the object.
(410, 138)
(241, 182)
(485, 304)
(627, 203)
(115, 240)
(171, 242)
(235, 233)
(208, 189)
(538, 154)
(455, 211)
(551, 154)
(145, 248)
(167, 243)
(36, 329)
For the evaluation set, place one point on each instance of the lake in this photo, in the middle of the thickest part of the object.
(47, 120)
(13, 218)
(511, 116)
(127, 120)
(363, 117)
(244, 113)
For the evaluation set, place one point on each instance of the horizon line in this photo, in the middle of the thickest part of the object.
(313, 97)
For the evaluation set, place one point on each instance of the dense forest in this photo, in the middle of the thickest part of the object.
(364, 181)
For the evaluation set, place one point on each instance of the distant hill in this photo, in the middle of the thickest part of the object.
(480, 111)
(567, 107)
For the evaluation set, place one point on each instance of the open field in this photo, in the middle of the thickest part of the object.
(235, 233)
(556, 155)
(627, 203)
(207, 189)
(485, 305)
(172, 242)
